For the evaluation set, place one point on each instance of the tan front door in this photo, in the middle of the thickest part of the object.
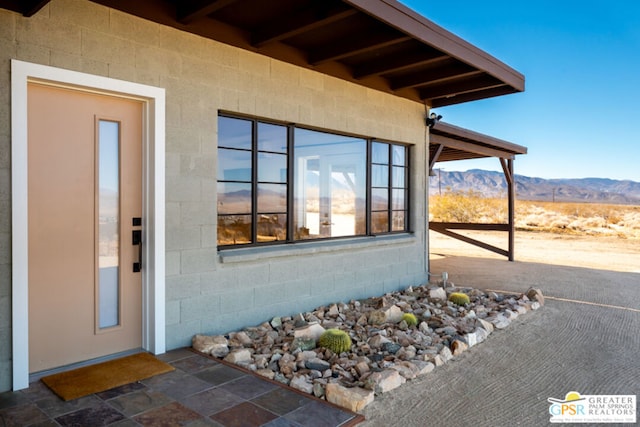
(85, 201)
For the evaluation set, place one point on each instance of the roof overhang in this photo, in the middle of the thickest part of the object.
(448, 143)
(380, 44)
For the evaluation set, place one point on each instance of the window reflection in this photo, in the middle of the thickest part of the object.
(329, 189)
(272, 167)
(399, 155)
(330, 185)
(109, 223)
(379, 153)
(272, 227)
(234, 133)
(272, 138)
(234, 229)
(234, 197)
(234, 165)
(272, 198)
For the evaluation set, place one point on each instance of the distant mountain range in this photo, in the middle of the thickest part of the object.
(596, 190)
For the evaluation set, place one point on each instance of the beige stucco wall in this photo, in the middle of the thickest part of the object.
(201, 77)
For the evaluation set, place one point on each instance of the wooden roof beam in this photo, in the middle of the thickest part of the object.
(471, 96)
(191, 10)
(455, 87)
(469, 147)
(439, 75)
(354, 46)
(399, 63)
(434, 159)
(303, 21)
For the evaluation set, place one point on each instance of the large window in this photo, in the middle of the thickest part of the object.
(281, 183)
(252, 182)
(389, 191)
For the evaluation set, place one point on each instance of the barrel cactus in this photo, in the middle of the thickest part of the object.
(335, 340)
(459, 298)
(410, 319)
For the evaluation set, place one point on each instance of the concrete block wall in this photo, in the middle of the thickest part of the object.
(207, 293)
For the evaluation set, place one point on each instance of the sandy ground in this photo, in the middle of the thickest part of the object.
(585, 339)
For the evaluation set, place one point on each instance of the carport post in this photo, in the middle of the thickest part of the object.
(507, 166)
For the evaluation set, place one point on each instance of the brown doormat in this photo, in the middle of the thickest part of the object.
(104, 376)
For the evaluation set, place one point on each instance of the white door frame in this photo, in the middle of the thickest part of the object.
(153, 204)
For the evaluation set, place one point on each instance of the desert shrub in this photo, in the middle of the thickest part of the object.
(455, 207)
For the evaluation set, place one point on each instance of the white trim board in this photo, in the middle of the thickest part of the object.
(153, 278)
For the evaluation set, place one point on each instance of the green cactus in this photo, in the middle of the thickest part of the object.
(410, 319)
(335, 340)
(459, 298)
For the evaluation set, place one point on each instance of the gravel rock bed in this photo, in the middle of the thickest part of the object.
(386, 349)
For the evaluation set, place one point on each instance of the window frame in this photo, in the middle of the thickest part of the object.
(290, 183)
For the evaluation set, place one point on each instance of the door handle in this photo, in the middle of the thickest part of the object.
(136, 239)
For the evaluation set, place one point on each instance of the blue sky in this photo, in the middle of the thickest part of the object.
(580, 113)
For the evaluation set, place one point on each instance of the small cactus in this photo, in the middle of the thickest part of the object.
(410, 319)
(459, 298)
(335, 340)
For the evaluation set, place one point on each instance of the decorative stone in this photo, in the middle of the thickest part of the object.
(299, 321)
(287, 364)
(302, 343)
(471, 338)
(216, 346)
(406, 369)
(301, 382)
(535, 294)
(487, 326)
(317, 364)
(438, 361)
(438, 294)
(333, 311)
(318, 389)
(381, 357)
(423, 368)
(520, 309)
(445, 354)
(392, 314)
(377, 341)
(268, 373)
(276, 322)
(312, 330)
(362, 368)
(511, 315)
(481, 334)
(242, 355)
(382, 382)
(353, 399)
(458, 347)
(391, 347)
(240, 339)
(424, 327)
(500, 321)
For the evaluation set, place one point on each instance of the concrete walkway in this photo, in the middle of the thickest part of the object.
(585, 339)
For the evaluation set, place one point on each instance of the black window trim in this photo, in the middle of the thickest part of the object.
(290, 236)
